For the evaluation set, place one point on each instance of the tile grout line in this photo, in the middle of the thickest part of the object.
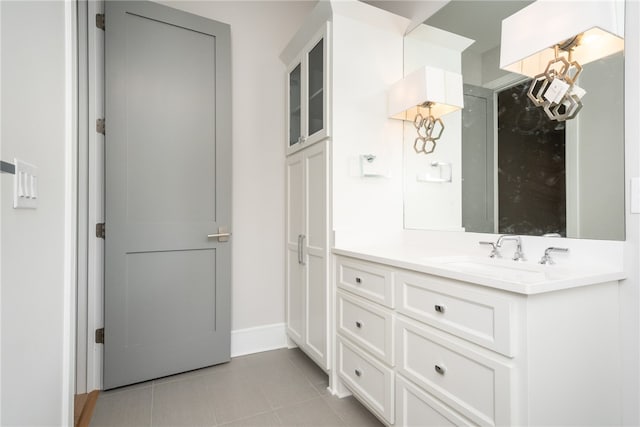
(210, 391)
(271, 411)
(153, 386)
(280, 422)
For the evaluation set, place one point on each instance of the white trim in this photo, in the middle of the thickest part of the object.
(258, 339)
(70, 219)
(95, 167)
(82, 189)
(0, 219)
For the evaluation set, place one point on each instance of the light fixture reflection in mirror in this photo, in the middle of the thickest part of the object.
(423, 97)
(482, 197)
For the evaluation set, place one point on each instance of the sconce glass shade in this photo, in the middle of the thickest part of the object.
(529, 35)
(442, 89)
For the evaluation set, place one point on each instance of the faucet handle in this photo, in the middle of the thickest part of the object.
(546, 258)
(494, 249)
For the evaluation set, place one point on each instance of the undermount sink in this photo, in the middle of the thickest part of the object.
(500, 269)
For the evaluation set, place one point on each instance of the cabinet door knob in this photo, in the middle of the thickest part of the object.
(439, 308)
(358, 280)
(440, 369)
(358, 324)
(358, 373)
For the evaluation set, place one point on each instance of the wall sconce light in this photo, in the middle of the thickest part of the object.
(551, 40)
(422, 97)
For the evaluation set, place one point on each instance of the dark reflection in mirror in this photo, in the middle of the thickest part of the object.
(531, 167)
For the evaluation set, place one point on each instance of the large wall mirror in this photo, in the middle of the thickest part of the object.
(502, 166)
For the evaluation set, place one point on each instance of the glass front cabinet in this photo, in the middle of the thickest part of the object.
(307, 106)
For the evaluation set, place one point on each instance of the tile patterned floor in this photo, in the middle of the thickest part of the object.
(274, 388)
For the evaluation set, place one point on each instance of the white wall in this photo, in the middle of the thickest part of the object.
(600, 151)
(630, 288)
(366, 61)
(429, 205)
(259, 32)
(34, 324)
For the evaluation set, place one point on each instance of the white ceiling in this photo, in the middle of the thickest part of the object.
(480, 20)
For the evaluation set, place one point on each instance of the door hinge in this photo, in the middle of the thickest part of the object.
(100, 20)
(100, 126)
(100, 336)
(100, 230)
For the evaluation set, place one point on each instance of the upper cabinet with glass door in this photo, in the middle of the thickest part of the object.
(307, 118)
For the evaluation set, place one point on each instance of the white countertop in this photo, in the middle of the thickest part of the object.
(526, 278)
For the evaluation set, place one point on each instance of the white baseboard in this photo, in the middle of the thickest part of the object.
(258, 339)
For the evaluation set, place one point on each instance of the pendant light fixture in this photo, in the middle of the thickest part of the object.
(552, 40)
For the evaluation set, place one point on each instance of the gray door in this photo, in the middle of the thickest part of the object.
(478, 160)
(168, 186)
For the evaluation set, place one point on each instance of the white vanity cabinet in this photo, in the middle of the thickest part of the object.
(307, 93)
(307, 251)
(468, 354)
(365, 328)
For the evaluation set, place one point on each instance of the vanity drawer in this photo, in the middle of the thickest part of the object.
(367, 378)
(477, 386)
(415, 407)
(368, 325)
(366, 279)
(480, 317)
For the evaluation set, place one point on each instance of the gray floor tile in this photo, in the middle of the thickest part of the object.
(309, 369)
(114, 391)
(322, 388)
(183, 403)
(284, 385)
(352, 412)
(235, 400)
(314, 412)
(312, 372)
(281, 387)
(263, 420)
(264, 357)
(289, 393)
(223, 367)
(130, 407)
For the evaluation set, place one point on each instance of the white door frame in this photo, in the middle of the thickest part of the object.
(95, 258)
(90, 198)
(70, 211)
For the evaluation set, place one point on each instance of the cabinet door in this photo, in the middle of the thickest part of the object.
(294, 104)
(295, 286)
(307, 94)
(315, 95)
(315, 252)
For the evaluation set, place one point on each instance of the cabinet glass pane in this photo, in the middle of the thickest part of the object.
(295, 98)
(316, 88)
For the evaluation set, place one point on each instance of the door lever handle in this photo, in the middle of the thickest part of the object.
(222, 234)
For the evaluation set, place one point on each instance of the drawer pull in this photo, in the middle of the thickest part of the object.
(439, 308)
(358, 325)
(358, 373)
(358, 280)
(440, 369)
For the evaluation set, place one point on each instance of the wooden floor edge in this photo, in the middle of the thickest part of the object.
(87, 410)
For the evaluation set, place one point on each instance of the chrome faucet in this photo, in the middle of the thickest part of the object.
(494, 250)
(546, 258)
(517, 255)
